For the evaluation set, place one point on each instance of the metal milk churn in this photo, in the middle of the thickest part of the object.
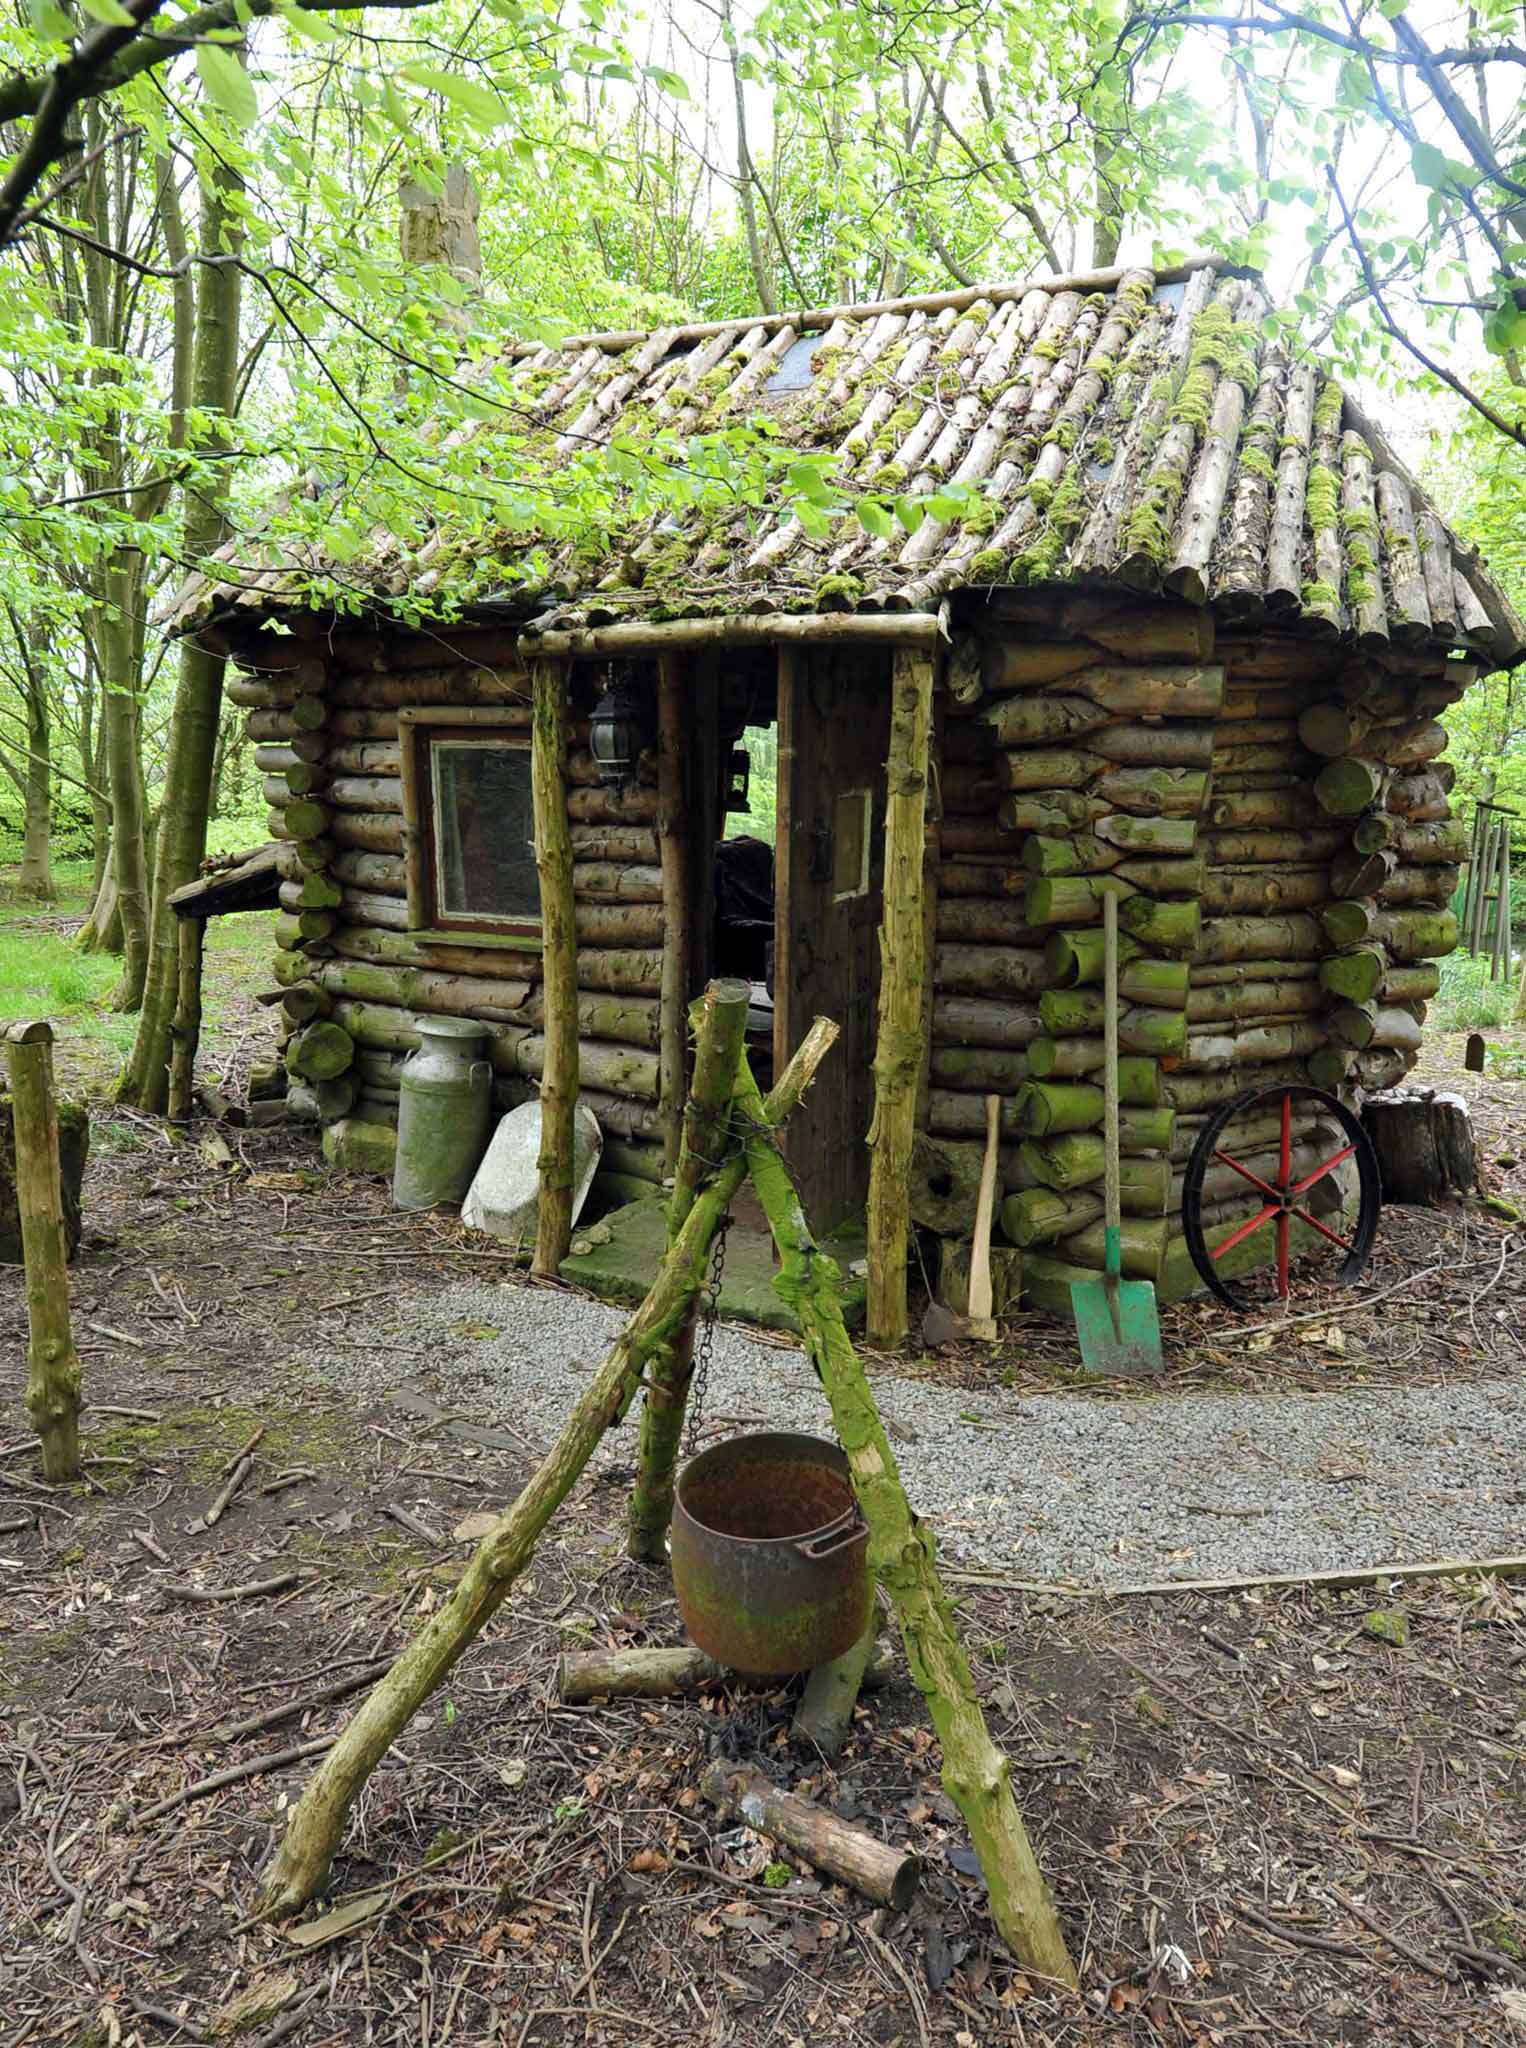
(445, 1113)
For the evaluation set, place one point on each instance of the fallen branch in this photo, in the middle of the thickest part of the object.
(254, 1590)
(1153, 1589)
(851, 1854)
(656, 1674)
(338, 1689)
(255, 1768)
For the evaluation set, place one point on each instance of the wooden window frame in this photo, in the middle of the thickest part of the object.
(418, 729)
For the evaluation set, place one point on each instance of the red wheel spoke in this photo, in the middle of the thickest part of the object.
(1285, 1149)
(1302, 1187)
(1315, 1224)
(1245, 1230)
(1245, 1174)
(1283, 1232)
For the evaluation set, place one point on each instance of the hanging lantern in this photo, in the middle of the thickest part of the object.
(615, 731)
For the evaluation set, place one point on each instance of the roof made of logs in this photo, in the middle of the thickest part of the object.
(1132, 427)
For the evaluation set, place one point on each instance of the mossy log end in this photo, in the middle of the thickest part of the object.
(300, 1867)
(320, 1051)
(902, 1556)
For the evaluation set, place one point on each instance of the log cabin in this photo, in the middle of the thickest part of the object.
(1185, 638)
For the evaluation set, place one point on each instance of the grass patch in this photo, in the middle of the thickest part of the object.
(44, 974)
(1467, 999)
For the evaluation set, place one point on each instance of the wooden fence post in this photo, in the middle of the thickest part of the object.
(559, 964)
(673, 846)
(903, 971)
(53, 1372)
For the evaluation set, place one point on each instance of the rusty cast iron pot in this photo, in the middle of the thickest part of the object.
(770, 1554)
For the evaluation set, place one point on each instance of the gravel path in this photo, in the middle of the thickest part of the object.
(1056, 1488)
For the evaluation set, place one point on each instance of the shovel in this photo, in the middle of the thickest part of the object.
(1116, 1319)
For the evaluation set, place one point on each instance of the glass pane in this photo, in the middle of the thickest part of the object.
(850, 844)
(484, 830)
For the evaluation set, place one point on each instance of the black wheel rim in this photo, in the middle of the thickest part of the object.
(1284, 1182)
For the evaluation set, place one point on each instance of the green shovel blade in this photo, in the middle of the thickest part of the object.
(1116, 1322)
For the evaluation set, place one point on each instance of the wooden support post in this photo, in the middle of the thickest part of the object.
(720, 1020)
(902, 1553)
(559, 962)
(903, 968)
(313, 1832)
(673, 846)
(185, 1026)
(53, 1373)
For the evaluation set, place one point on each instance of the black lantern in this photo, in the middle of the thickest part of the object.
(615, 730)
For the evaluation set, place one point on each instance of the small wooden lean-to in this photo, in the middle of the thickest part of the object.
(1184, 640)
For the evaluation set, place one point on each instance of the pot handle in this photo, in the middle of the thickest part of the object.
(837, 1535)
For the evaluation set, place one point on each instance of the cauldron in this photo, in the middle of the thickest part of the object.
(770, 1554)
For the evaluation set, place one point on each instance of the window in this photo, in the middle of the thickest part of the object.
(471, 837)
(851, 814)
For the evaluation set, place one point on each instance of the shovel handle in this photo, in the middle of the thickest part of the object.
(1112, 1217)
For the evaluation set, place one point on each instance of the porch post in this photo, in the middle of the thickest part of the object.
(903, 972)
(673, 846)
(559, 963)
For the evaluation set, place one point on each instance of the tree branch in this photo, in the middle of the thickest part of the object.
(103, 60)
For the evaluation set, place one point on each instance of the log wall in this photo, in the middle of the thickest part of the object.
(1272, 815)
(324, 718)
(1271, 811)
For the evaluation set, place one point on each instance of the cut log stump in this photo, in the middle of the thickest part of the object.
(1424, 1141)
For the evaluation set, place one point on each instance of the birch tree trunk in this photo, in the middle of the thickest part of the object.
(182, 833)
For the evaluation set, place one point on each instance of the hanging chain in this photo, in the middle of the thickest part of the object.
(699, 1378)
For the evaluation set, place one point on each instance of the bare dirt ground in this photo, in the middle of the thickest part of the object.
(1263, 1821)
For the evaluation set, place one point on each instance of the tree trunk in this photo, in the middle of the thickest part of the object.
(559, 957)
(185, 1030)
(35, 879)
(901, 1038)
(197, 713)
(313, 1832)
(53, 1369)
(119, 715)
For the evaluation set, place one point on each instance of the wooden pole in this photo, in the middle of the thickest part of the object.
(720, 1028)
(902, 1554)
(673, 842)
(1501, 958)
(301, 1865)
(185, 1026)
(53, 1371)
(903, 968)
(559, 963)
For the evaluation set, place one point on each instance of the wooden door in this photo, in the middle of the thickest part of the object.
(834, 735)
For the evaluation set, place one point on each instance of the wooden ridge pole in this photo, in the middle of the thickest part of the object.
(301, 1865)
(559, 964)
(899, 1046)
(902, 1555)
(53, 1370)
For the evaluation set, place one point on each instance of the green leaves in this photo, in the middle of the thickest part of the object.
(111, 13)
(228, 85)
(482, 106)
